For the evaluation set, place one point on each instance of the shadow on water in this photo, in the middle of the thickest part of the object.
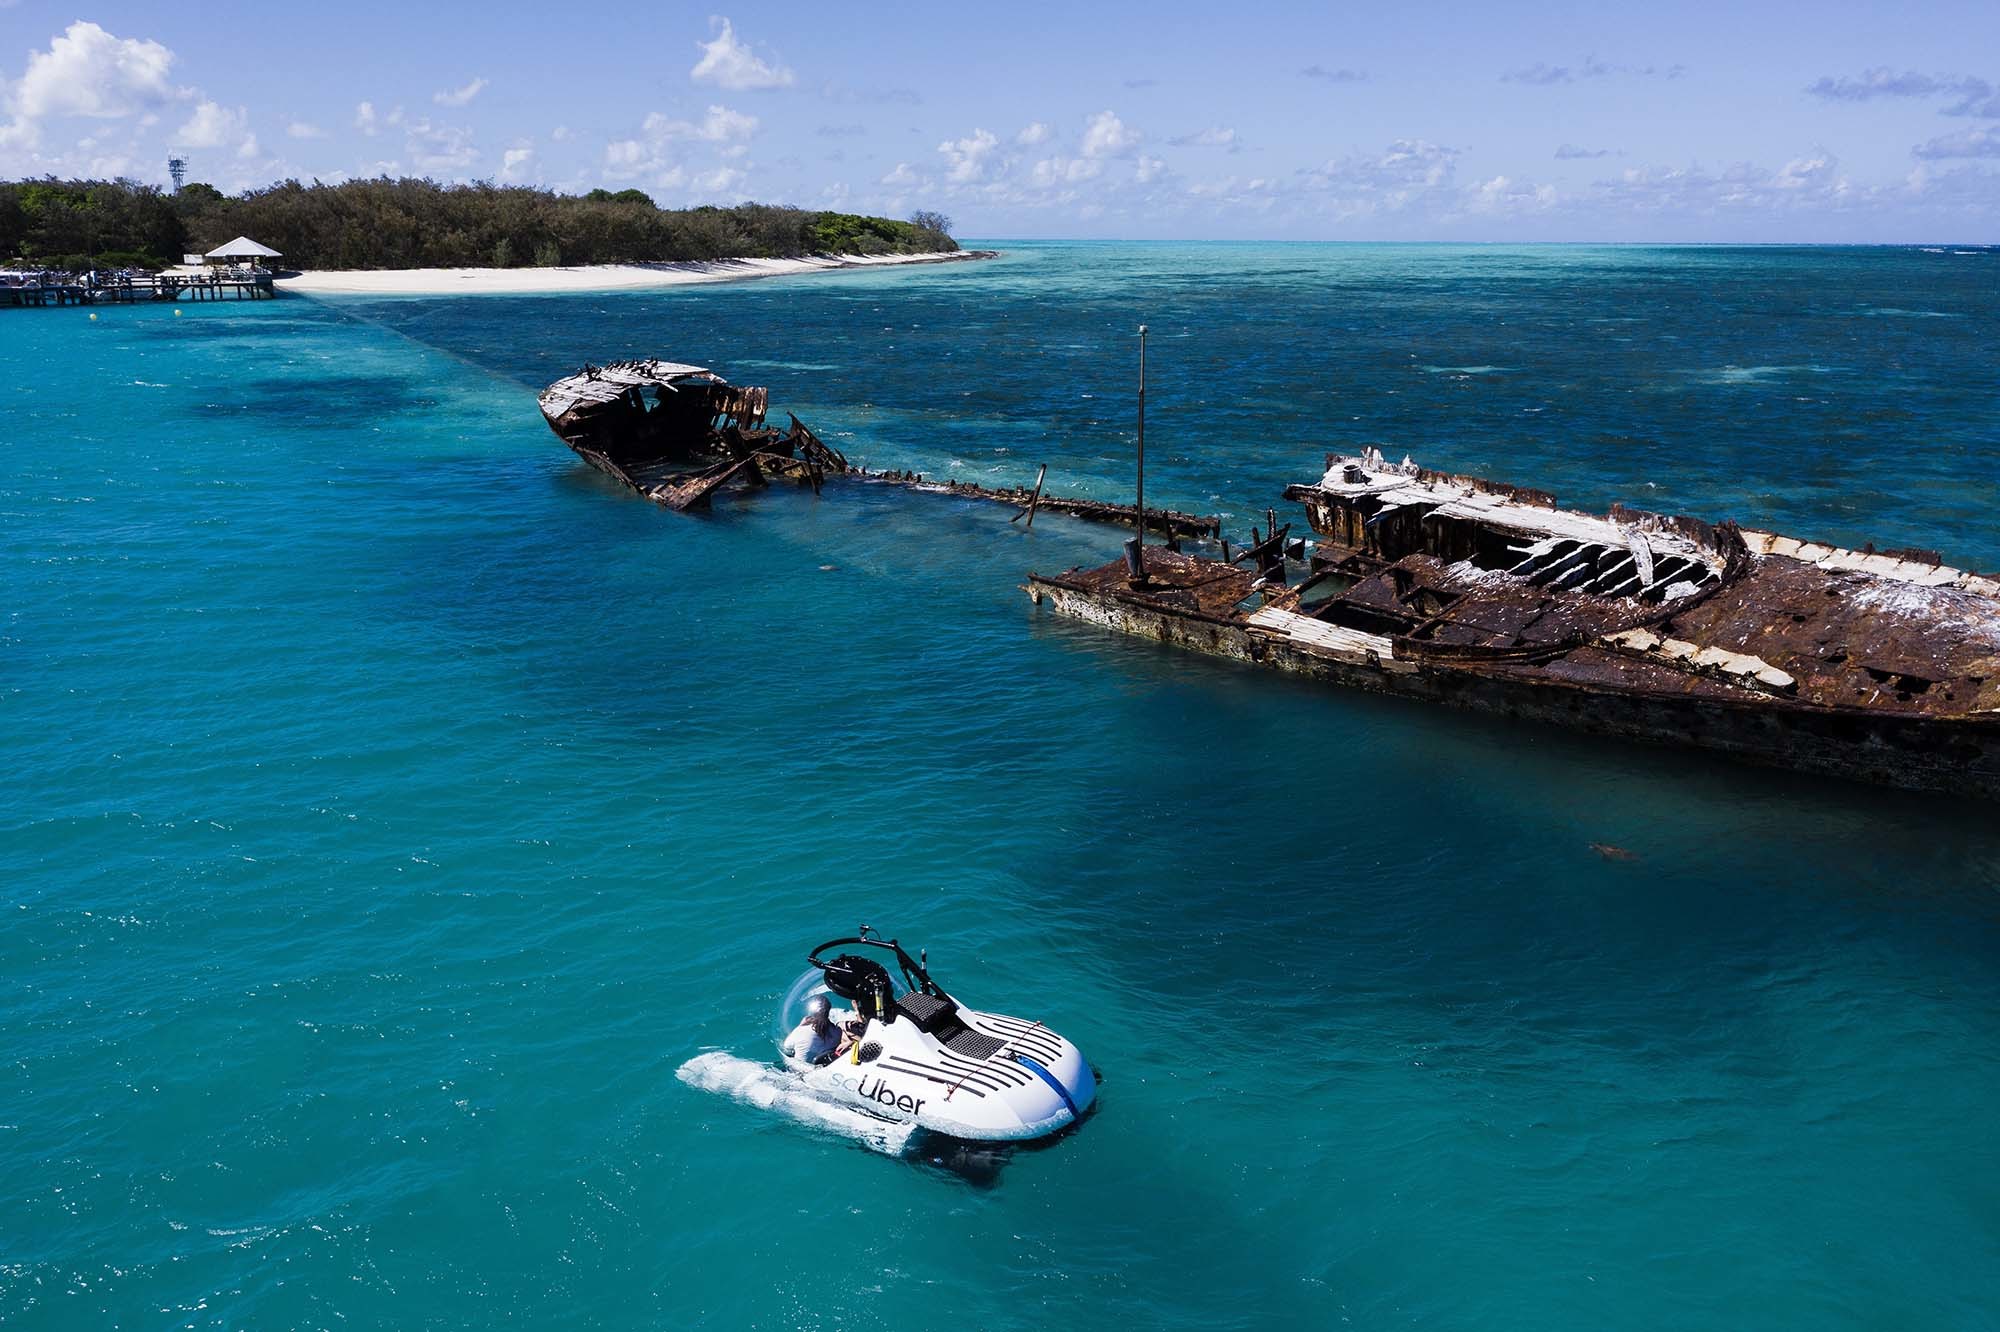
(203, 325)
(982, 1164)
(331, 403)
(1524, 753)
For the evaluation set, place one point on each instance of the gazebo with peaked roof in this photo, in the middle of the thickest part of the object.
(239, 250)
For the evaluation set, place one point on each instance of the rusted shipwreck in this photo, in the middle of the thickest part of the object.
(678, 433)
(1878, 665)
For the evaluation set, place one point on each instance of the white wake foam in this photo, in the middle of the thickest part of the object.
(770, 1088)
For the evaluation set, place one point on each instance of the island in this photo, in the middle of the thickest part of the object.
(408, 234)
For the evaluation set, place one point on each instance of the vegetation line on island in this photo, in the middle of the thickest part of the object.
(385, 223)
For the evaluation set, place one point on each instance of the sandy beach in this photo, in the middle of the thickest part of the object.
(594, 277)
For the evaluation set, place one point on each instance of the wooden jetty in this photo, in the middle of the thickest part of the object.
(59, 289)
(51, 291)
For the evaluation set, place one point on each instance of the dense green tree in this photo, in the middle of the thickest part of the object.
(410, 223)
(13, 222)
(197, 194)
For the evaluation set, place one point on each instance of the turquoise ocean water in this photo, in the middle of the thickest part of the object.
(390, 806)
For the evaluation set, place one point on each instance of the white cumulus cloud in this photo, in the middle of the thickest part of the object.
(1051, 172)
(728, 63)
(459, 96)
(1805, 186)
(721, 183)
(968, 158)
(1038, 132)
(720, 125)
(1215, 136)
(371, 122)
(1408, 173)
(1979, 142)
(88, 72)
(211, 126)
(1502, 195)
(662, 139)
(446, 149)
(1108, 136)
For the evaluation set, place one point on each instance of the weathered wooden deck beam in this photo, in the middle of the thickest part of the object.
(1168, 522)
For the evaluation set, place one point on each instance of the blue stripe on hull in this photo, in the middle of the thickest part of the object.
(1033, 1067)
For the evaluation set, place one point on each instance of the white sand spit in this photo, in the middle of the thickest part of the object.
(594, 277)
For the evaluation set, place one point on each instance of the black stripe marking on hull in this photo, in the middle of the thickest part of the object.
(940, 1077)
(1003, 1070)
(1040, 1042)
(999, 1074)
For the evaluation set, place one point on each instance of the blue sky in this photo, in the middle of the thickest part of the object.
(1825, 122)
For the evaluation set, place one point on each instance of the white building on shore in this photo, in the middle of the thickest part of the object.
(240, 253)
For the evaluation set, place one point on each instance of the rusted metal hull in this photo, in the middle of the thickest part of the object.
(677, 433)
(1877, 665)
(1957, 755)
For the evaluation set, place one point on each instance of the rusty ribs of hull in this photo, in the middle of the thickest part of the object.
(1883, 666)
(676, 433)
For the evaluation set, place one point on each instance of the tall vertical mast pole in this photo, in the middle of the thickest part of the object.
(1139, 559)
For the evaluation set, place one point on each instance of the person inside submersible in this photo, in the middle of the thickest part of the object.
(816, 1040)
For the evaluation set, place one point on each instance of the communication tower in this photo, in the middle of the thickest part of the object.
(177, 166)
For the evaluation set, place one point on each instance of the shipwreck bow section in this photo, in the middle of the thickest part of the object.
(1883, 666)
(676, 433)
